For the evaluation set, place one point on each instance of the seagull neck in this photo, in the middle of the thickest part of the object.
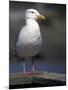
(30, 21)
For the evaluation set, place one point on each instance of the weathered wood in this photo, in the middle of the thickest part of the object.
(21, 78)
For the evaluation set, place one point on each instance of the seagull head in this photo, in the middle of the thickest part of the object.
(33, 14)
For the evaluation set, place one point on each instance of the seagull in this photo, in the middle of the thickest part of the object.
(29, 40)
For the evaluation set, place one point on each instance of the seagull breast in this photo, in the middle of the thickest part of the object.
(29, 40)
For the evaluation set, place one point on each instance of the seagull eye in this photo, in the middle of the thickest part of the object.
(32, 12)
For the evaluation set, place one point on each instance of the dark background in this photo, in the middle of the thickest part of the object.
(52, 57)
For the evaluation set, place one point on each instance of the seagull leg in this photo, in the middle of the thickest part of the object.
(33, 66)
(23, 65)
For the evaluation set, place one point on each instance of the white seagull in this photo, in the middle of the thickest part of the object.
(29, 39)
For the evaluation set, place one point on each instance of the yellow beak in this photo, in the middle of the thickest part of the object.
(40, 17)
